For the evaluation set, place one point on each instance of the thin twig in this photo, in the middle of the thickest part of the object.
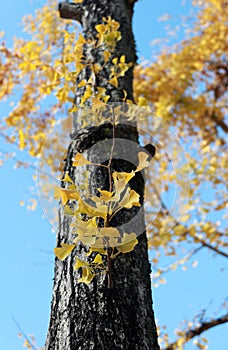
(111, 153)
(187, 257)
(218, 251)
(23, 333)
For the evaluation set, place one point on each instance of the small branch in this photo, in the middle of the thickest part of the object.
(71, 11)
(192, 333)
(205, 244)
(186, 258)
(220, 122)
(27, 165)
(24, 335)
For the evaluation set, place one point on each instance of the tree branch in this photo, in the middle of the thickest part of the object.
(32, 346)
(220, 122)
(204, 326)
(170, 267)
(71, 11)
(205, 244)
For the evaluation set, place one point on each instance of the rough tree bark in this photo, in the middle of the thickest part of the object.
(95, 317)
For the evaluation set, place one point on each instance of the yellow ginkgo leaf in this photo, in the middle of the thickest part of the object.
(121, 180)
(88, 93)
(80, 263)
(106, 55)
(67, 178)
(86, 230)
(72, 187)
(101, 90)
(98, 259)
(87, 275)
(97, 250)
(100, 28)
(82, 83)
(99, 211)
(142, 102)
(73, 109)
(21, 139)
(81, 40)
(63, 251)
(129, 242)
(109, 232)
(130, 199)
(96, 102)
(68, 210)
(88, 224)
(114, 81)
(143, 162)
(98, 244)
(122, 59)
(80, 160)
(96, 69)
(88, 240)
(90, 80)
(109, 236)
(105, 196)
(65, 194)
(106, 98)
(126, 177)
(115, 60)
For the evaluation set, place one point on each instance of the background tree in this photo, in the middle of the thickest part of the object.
(187, 86)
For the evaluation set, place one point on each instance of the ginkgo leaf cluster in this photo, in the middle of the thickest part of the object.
(86, 225)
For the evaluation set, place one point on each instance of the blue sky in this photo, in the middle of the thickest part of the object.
(27, 241)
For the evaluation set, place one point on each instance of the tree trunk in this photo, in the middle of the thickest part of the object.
(95, 317)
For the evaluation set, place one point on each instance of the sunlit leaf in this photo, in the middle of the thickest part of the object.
(130, 199)
(21, 139)
(67, 178)
(80, 160)
(87, 275)
(68, 211)
(98, 259)
(143, 162)
(63, 251)
(129, 242)
(65, 195)
(109, 232)
(142, 102)
(114, 82)
(100, 28)
(85, 208)
(121, 180)
(80, 263)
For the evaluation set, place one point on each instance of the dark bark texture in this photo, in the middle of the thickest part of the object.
(95, 317)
